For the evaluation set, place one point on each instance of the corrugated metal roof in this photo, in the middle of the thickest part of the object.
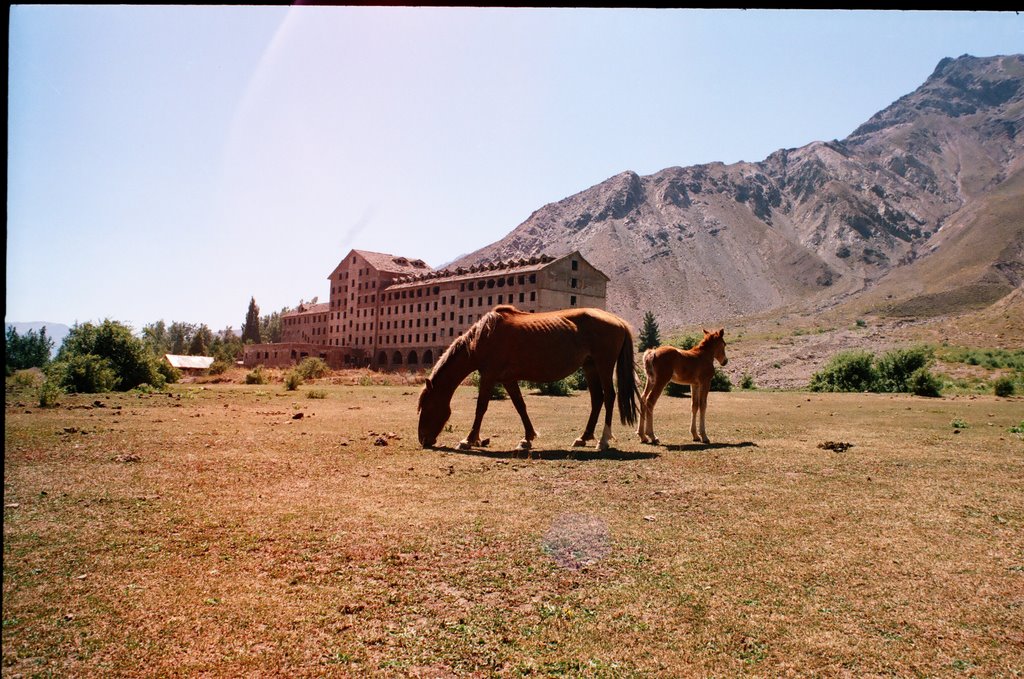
(392, 263)
(189, 362)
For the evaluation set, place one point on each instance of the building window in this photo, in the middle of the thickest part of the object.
(575, 265)
(572, 283)
(572, 300)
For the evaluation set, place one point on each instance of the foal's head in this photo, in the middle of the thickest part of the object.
(716, 340)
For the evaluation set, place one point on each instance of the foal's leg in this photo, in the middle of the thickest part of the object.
(483, 397)
(596, 397)
(652, 400)
(514, 393)
(699, 397)
(695, 391)
(641, 427)
(703, 412)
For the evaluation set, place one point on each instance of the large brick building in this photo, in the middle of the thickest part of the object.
(392, 312)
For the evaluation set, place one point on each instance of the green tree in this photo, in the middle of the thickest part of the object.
(272, 326)
(251, 327)
(180, 335)
(650, 335)
(104, 357)
(226, 346)
(157, 338)
(201, 341)
(31, 350)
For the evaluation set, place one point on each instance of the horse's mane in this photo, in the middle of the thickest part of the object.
(706, 340)
(466, 343)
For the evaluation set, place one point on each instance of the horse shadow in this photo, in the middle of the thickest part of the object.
(688, 447)
(578, 454)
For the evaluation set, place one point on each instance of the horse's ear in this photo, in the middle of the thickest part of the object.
(721, 332)
(705, 330)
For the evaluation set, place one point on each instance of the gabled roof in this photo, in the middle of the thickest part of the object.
(307, 308)
(383, 262)
(192, 362)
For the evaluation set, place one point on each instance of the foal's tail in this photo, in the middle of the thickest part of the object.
(626, 375)
(649, 363)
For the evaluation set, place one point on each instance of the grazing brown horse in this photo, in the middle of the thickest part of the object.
(507, 345)
(692, 366)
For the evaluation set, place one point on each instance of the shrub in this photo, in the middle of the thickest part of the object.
(292, 380)
(312, 368)
(49, 394)
(168, 372)
(923, 383)
(256, 376)
(895, 368)
(720, 381)
(578, 380)
(498, 392)
(557, 388)
(316, 393)
(747, 381)
(1004, 386)
(219, 367)
(27, 379)
(676, 390)
(105, 357)
(84, 374)
(846, 371)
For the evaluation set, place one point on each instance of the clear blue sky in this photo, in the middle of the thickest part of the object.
(171, 162)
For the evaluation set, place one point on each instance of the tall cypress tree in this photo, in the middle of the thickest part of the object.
(650, 335)
(251, 327)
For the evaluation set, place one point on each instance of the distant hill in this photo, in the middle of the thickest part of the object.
(55, 331)
(918, 212)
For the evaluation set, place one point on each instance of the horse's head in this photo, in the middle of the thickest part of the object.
(434, 410)
(717, 341)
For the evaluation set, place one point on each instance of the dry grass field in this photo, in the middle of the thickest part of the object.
(225, 530)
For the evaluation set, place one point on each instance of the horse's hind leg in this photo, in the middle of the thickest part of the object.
(658, 387)
(641, 427)
(596, 398)
(482, 399)
(609, 402)
(514, 393)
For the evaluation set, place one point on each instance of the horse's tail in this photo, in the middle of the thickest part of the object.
(626, 374)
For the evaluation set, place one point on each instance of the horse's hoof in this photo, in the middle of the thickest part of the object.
(525, 445)
(484, 443)
(464, 445)
(603, 446)
(654, 441)
(579, 443)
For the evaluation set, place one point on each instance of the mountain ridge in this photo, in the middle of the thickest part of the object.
(813, 227)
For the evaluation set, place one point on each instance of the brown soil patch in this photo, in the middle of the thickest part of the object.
(209, 532)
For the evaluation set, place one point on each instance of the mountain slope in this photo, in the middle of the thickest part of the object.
(913, 190)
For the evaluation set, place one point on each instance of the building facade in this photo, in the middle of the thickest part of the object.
(391, 312)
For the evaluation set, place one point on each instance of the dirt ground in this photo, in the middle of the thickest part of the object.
(227, 530)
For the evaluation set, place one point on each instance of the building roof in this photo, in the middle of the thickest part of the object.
(307, 308)
(499, 268)
(189, 362)
(394, 263)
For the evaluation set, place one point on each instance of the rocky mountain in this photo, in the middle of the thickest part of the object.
(919, 210)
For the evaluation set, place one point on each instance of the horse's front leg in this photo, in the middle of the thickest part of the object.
(698, 405)
(703, 413)
(483, 397)
(516, 395)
